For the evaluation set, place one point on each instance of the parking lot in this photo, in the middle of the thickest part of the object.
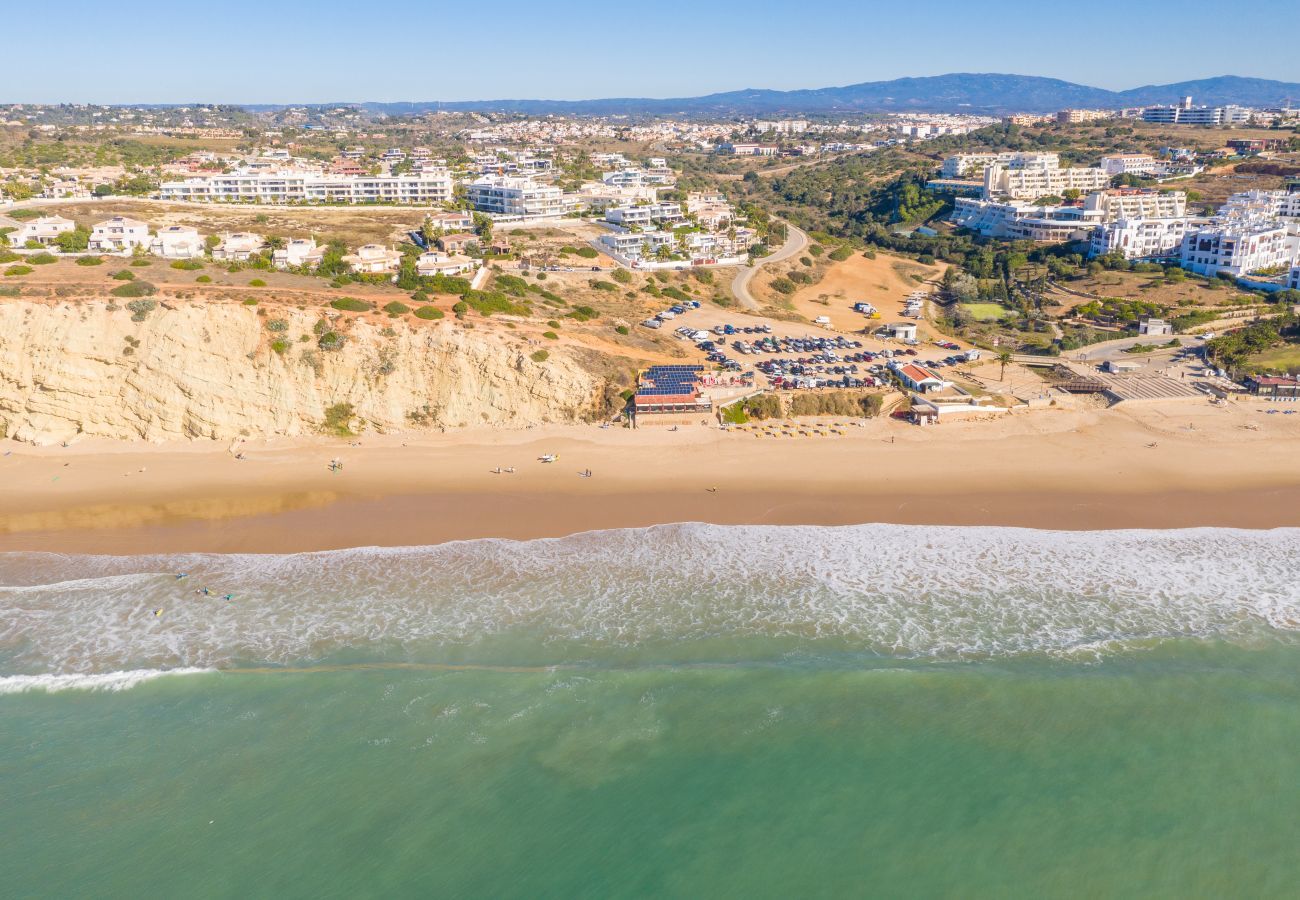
(795, 355)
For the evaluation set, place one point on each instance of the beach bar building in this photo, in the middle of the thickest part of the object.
(670, 389)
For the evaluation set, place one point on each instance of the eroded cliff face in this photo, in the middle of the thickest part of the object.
(69, 370)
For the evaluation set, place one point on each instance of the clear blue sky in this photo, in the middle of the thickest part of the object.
(327, 50)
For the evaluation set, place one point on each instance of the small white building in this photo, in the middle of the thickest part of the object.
(119, 235)
(902, 331)
(434, 263)
(43, 231)
(1155, 327)
(1293, 280)
(177, 242)
(374, 259)
(298, 253)
(238, 246)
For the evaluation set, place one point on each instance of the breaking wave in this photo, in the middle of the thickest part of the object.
(106, 681)
(887, 590)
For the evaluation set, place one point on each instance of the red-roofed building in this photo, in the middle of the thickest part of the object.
(1273, 385)
(918, 378)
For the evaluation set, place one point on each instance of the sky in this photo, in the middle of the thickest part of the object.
(273, 51)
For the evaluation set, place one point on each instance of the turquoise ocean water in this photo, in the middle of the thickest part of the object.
(685, 711)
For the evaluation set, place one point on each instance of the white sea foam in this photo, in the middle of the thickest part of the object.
(906, 591)
(105, 681)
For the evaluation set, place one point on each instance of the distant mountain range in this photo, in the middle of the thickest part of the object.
(960, 92)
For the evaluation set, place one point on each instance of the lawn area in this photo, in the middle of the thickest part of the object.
(984, 312)
(1280, 359)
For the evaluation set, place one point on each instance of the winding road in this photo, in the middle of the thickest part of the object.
(795, 242)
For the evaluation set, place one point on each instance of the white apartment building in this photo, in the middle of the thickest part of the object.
(1131, 204)
(1239, 245)
(119, 235)
(1025, 221)
(963, 164)
(634, 247)
(1278, 204)
(298, 253)
(635, 177)
(1186, 114)
(177, 242)
(294, 186)
(1142, 164)
(1044, 181)
(374, 259)
(237, 246)
(509, 196)
(43, 231)
(645, 215)
(780, 126)
(1140, 238)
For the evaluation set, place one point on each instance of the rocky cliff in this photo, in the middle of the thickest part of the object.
(214, 370)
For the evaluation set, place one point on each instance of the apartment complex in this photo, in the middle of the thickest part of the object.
(1040, 181)
(1141, 164)
(1185, 114)
(294, 186)
(971, 164)
(1128, 203)
(504, 195)
(1140, 238)
(1077, 116)
(1018, 220)
(645, 215)
(1238, 245)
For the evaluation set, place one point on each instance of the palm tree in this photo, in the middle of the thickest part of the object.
(1003, 357)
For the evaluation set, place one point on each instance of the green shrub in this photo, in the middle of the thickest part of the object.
(488, 302)
(141, 263)
(280, 346)
(90, 261)
(604, 285)
(540, 356)
(140, 309)
(331, 340)
(338, 420)
(622, 276)
(587, 252)
(250, 301)
(460, 307)
(204, 279)
(187, 265)
(123, 275)
(511, 284)
(42, 259)
(622, 329)
(841, 253)
(783, 285)
(18, 270)
(429, 312)
(582, 313)
(550, 335)
(257, 282)
(8, 255)
(134, 289)
(351, 304)
(396, 308)
(279, 326)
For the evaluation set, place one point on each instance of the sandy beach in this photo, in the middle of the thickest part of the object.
(1180, 465)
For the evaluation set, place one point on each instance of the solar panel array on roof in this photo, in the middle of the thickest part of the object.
(669, 381)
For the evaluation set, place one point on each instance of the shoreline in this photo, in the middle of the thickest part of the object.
(1187, 466)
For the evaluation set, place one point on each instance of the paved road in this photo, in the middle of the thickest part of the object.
(795, 242)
